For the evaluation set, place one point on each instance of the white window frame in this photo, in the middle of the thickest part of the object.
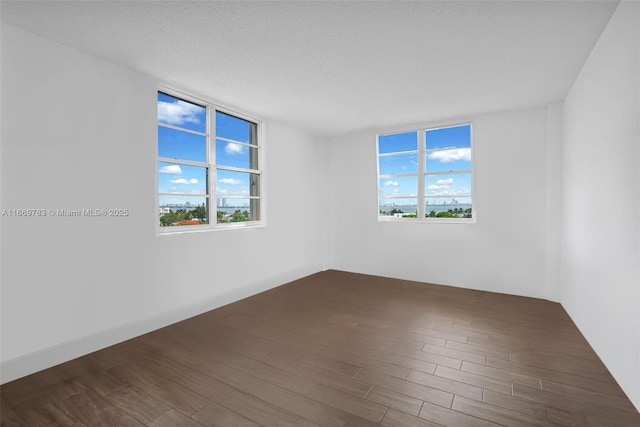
(422, 173)
(212, 223)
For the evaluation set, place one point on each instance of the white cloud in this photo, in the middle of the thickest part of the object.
(449, 156)
(436, 187)
(229, 181)
(441, 184)
(184, 181)
(232, 148)
(455, 193)
(178, 113)
(171, 169)
(391, 184)
(193, 191)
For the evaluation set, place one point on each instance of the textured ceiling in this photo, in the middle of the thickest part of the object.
(337, 67)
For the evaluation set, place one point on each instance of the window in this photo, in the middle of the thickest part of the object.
(426, 175)
(209, 169)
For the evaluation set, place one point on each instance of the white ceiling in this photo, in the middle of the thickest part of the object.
(337, 67)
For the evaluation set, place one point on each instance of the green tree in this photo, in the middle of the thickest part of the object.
(239, 216)
(448, 214)
(200, 212)
(169, 219)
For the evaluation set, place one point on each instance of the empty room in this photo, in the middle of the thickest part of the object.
(320, 213)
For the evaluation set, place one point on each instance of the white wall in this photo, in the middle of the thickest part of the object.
(79, 132)
(554, 198)
(505, 251)
(601, 210)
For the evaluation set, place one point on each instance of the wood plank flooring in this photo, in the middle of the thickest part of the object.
(338, 349)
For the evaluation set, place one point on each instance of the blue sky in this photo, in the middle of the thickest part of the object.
(191, 181)
(447, 150)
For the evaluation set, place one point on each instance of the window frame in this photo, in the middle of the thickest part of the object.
(212, 167)
(421, 174)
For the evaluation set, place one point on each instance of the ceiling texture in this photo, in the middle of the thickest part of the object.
(335, 67)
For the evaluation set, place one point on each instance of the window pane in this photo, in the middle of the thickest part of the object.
(237, 184)
(451, 207)
(177, 144)
(454, 185)
(236, 155)
(398, 142)
(237, 210)
(231, 127)
(456, 159)
(175, 111)
(398, 187)
(182, 210)
(398, 207)
(175, 178)
(459, 136)
(400, 163)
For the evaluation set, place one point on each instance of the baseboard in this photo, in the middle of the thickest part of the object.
(46, 358)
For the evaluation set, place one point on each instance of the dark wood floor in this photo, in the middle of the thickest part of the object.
(339, 349)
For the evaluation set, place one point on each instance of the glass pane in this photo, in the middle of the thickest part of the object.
(451, 207)
(182, 179)
(402, 208)
(182, 210)
(459, 136)
(400, 163)
(407, 141)
(237, 210)
(177, 144)
(455, 159)
(237, 184)
(236, 155)
(455, 185)
(398, 187)
(231, 127)
(175, 111)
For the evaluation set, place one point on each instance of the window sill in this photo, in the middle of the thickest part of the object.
(429, 220)
(171, 231)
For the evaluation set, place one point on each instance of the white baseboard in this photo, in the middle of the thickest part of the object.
(48, 357)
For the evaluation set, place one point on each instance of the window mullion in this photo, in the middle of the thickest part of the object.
(452, 172)
(397, 153)
(168, 126)
(233, 141)
(237, 169)
(395, 175)
(422, 161)
(211, 176)
(183, 162)
(255, 184)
